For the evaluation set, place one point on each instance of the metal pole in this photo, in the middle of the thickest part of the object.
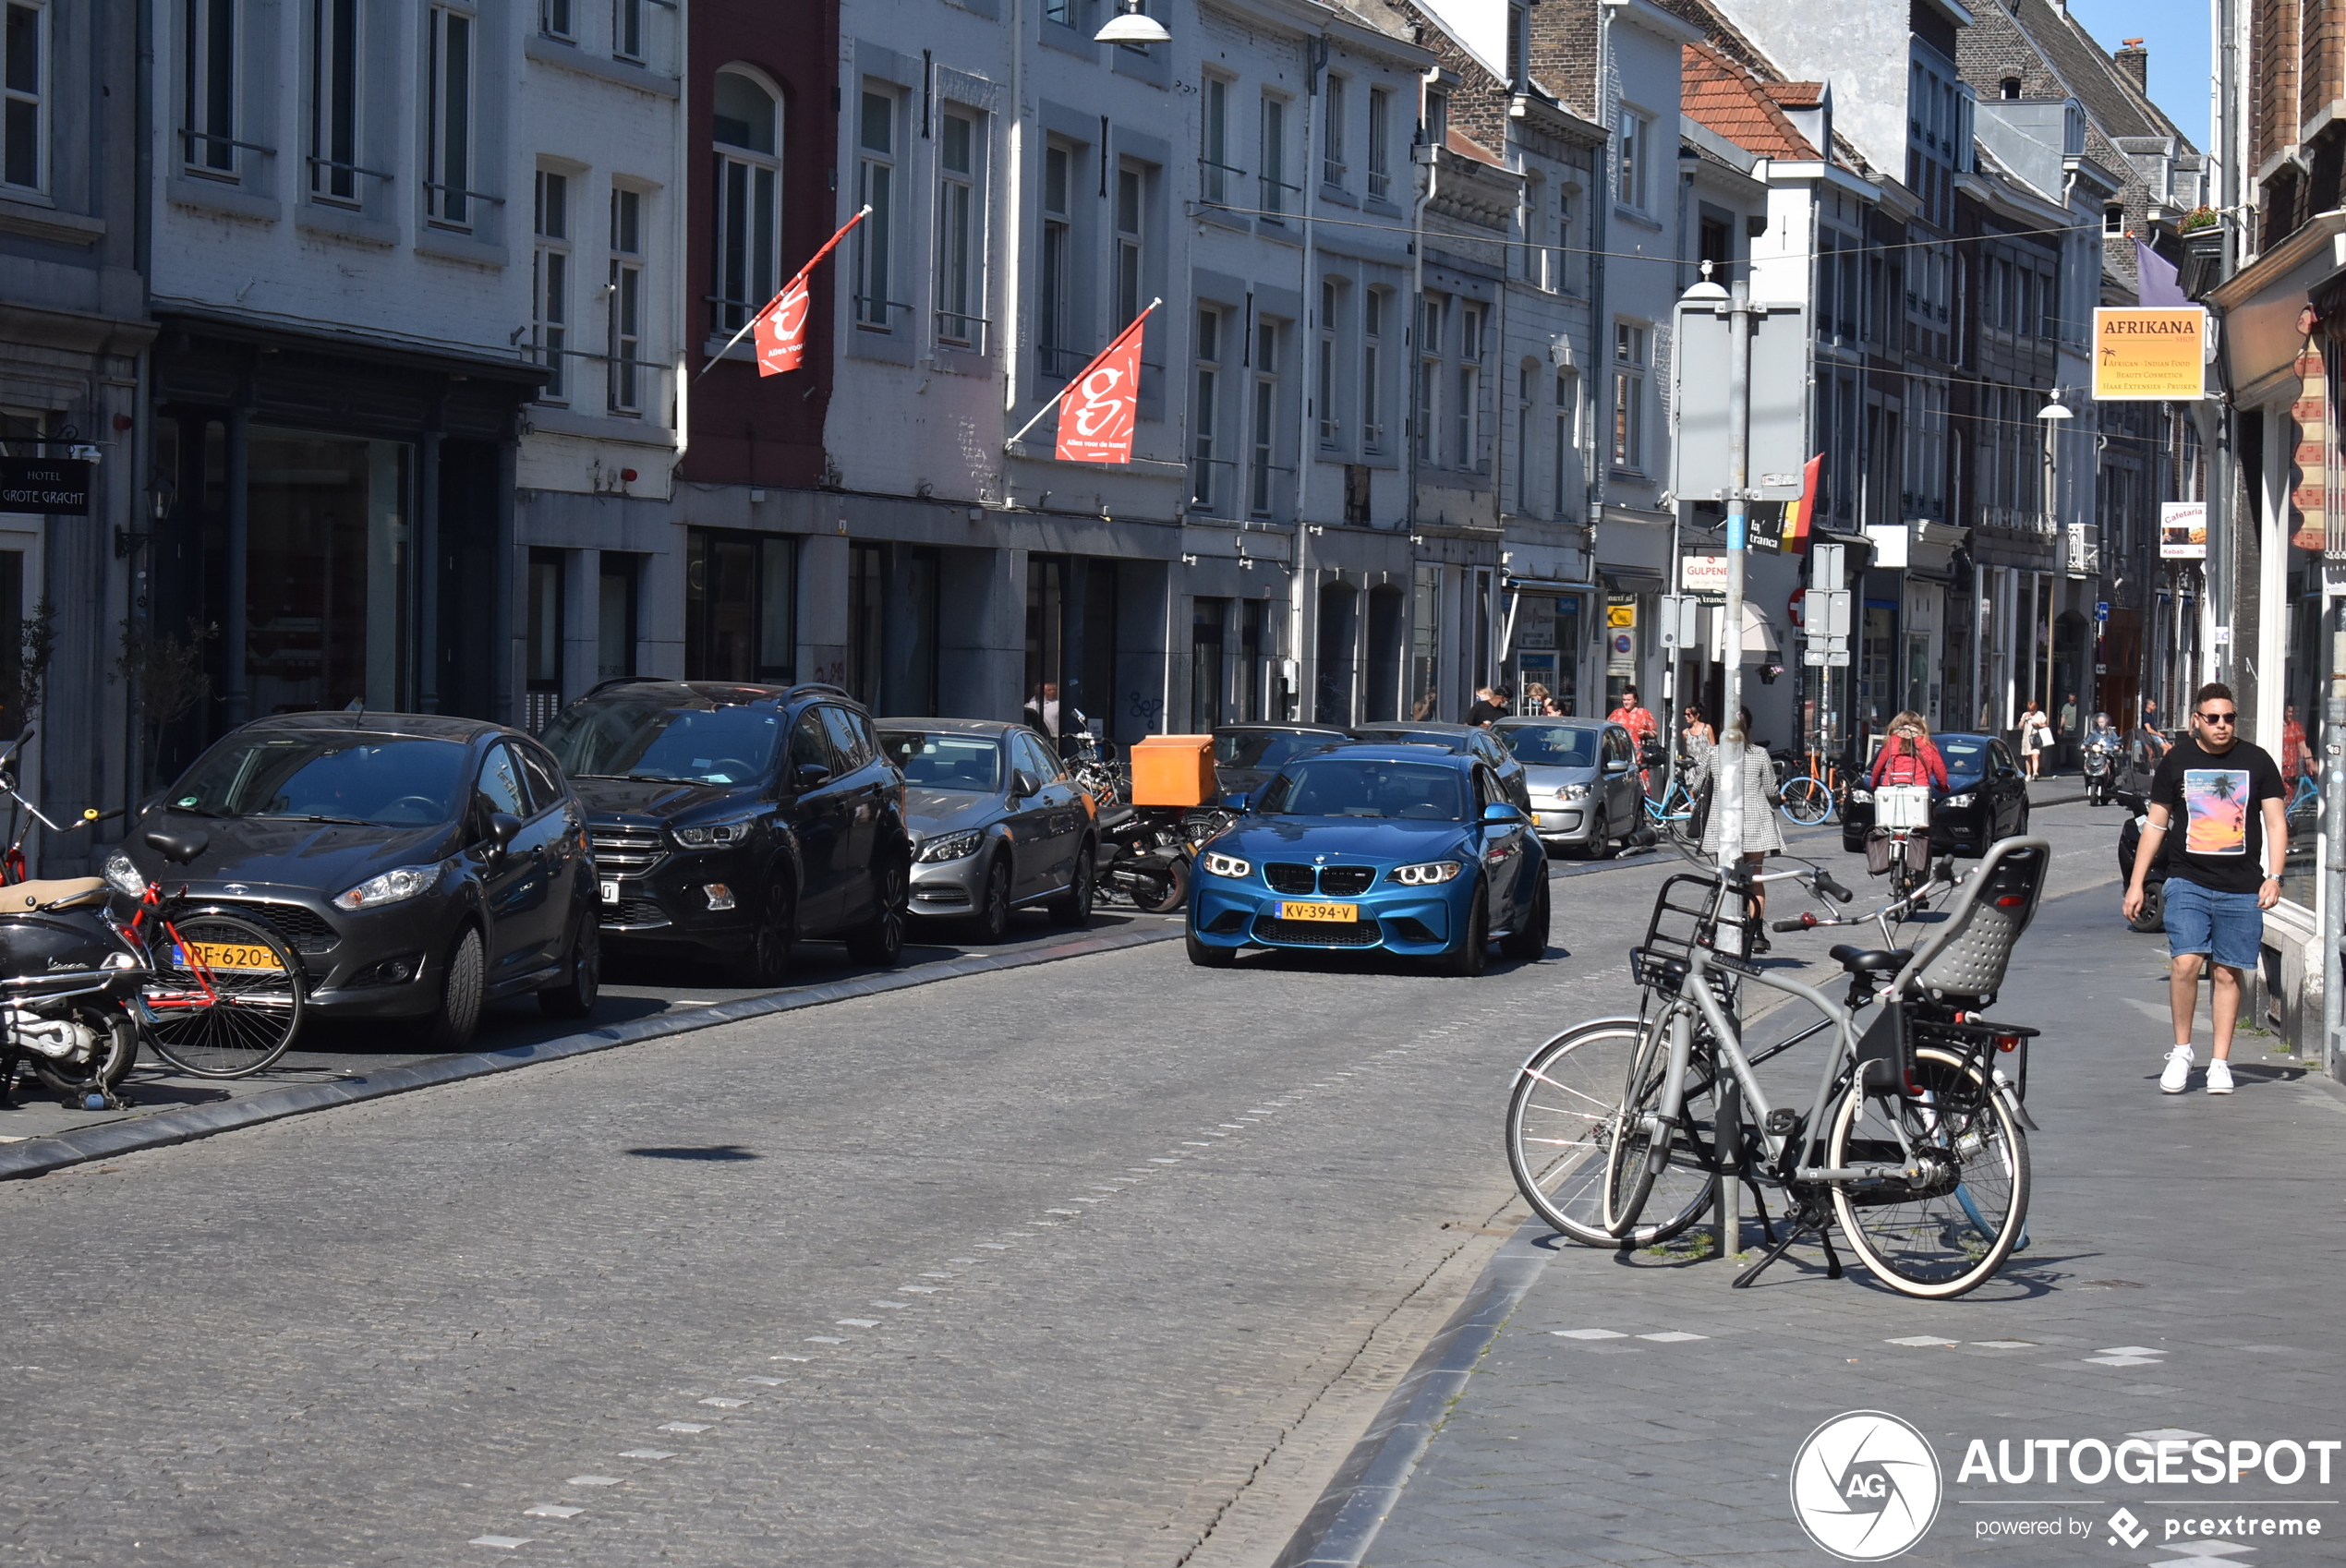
(1732, 738)
(2333, 847)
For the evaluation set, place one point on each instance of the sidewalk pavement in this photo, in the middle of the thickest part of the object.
(2179, 1285)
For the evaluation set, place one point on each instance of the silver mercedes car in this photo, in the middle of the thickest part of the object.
(998, 825)
(1583, 778)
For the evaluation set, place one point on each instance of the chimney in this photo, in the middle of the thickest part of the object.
(2133, 62)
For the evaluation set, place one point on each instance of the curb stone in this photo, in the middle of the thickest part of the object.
(1344, 1523)
(36, 1156)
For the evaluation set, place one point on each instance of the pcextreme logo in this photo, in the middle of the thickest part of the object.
(1866, 1486)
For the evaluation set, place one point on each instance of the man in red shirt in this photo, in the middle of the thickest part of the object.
(1641, 727)
(2293, 747)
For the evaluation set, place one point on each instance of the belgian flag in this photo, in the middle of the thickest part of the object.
(1799, 516)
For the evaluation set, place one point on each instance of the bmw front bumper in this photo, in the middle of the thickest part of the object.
(1245, 912)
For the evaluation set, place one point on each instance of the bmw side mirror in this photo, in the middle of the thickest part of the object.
(1236, 801)
(1499, 814)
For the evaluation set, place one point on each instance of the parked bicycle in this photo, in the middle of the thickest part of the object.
(1809, 798)
(1621, 1130)
(224, 995)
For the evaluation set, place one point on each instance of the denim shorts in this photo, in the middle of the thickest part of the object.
(2228, 927)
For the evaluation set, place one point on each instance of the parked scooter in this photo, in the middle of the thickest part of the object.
(69, 973)
(1145, 853)
(2130, 836)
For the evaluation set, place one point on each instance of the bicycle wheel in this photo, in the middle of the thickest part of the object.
(1560, 1121)
(1632, 1174)
(1950, 1232)
(1806, 802)
(251, 1012)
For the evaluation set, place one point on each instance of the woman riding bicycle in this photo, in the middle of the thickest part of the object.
(1908, 756)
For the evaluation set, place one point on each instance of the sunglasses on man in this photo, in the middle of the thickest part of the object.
(2229, 718)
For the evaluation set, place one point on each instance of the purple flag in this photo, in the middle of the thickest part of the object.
(2157, 274)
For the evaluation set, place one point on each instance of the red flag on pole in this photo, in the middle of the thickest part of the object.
(780, 326)
(1095, 420)
(1800, 516)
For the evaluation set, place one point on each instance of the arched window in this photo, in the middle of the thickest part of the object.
(745, 256)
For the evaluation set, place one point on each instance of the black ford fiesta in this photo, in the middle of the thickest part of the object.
(419, 866)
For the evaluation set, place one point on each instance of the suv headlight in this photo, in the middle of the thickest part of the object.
(124, 875)
(712, 836)
(1427, 874)
(389, 889)
(1219, 864)
(951, 845)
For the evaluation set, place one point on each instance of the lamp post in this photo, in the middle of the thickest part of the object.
(2056, 418)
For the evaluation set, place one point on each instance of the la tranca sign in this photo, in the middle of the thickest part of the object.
(2146, 354)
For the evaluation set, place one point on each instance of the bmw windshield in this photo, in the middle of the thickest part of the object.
(381, 780)
(684, 745)
(1362, 786)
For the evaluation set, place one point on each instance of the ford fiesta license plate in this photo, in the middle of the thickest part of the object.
(231, 955)
(1290, 910)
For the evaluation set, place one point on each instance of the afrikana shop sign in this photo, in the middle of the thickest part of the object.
(2150, 355)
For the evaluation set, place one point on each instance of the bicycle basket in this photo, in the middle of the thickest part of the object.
(1902, 805)
(1682, 921)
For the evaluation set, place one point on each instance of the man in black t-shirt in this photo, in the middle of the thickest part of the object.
(2225, 798)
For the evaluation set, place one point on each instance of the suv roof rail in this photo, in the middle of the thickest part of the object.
(821, 689)
(628, 680)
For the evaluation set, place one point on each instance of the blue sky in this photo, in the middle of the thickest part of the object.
(2176, 34)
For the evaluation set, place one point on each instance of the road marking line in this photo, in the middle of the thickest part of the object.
(769, 1382)
(924, 1289)
(825, 1339)
(1071, 1213)
(2005, 1343)
(895, 1305)
(551, 1511)
(686, 1426)
(1918, 1340)
(725, 1402)
(647, 1453)
(2129, 1350)
(997, 1245)
(592, 1481)
(1588, 1333)
(502, 1543)
(1674, 1336)
(1155, 1160)
(789, 1357)
(859, 1322)
(936, 1274)
(2123, 1361)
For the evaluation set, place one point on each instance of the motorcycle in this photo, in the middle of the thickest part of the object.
(1146, 851)
(2153, 916)
(69, 973)
(2101, 772)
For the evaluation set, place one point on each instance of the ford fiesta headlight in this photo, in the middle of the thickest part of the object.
(1219, 864)
(1576, 792)
(390, 887)
(951, 845)
(713, 835)
(1428, 873)
(1965, 799)
(124, 875)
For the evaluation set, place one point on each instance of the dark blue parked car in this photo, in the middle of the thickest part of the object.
(1403, 848)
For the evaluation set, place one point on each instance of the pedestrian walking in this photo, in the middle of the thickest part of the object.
(1490, 703)
(2036, 734)
(1762, 836)
(2225, 795)
(1701, 738)
(2065, 736)
(1633, 717)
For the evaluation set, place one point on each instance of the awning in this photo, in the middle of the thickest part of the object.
(1758, 635)
(1632, 581)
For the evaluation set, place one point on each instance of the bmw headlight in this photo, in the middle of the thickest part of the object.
(124, 875)
(1427, 874)
(1219, 864)
(1965, 798)
(1576, 792)
(712, 836)
(389, 889)
(951, 845)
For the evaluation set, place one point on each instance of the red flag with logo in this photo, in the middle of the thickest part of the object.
(780, 327)
(1097, 417)
(1800, 516)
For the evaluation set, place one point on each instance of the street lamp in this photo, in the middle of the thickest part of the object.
(1133, 25)
(2054, 416)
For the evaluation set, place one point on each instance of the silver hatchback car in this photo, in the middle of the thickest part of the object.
(996, 822)
(1583, 777)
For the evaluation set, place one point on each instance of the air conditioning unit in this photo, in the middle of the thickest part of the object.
(2081, 552)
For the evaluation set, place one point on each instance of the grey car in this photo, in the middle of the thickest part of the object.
(1583, 778)
(996, 822)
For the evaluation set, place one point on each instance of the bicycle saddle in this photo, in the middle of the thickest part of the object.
(1871, 961)
(178, 847)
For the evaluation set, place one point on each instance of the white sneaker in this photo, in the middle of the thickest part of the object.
(2178, 1070)
(2219, 1076)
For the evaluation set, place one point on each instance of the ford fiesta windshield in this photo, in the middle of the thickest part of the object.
(1966, 761)
(722, 746)
(355, 778)
(1402, 791)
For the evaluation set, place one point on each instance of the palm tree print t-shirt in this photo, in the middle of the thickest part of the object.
(2216, 820)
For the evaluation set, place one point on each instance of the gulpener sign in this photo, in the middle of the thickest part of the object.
(58, 485)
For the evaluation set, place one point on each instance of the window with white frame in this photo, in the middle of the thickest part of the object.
(1466, 411)
(24, 98)
(1373, 303)
(1525, 382)
(1634, 144)
(1332, 102)
(554, 19)
(745, 125)
(1428, 376)
(624, 349)
(875, 187)
(1380, 144)
(1265, 424)
(1206, 486)
(960, 231)
(1629, 362)
(550, 284)
(1331, 422)
(627, 30)
(334, 102)
(1277, 192)
(1568, 440)
(207, 138)
(1215, 172)
(1437, 119)
(1054, 324)
(450, 200)
(1131, 185)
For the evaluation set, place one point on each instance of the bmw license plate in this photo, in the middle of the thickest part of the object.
(611, 892)
(1290, 910)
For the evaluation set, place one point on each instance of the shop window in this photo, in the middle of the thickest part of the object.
(24, 98)
(615, 590)
(326, 602)
(739, 607)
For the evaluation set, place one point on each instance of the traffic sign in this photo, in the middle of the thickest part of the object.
(2102, 609)
(1795, 606)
